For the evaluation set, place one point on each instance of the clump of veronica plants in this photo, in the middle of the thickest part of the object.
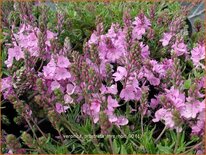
(117, 96)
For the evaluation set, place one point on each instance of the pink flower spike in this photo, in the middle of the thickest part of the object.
(120, 74)
(63, 62)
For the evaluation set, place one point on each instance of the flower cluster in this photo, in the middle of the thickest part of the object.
(115, 69)
(26, 42)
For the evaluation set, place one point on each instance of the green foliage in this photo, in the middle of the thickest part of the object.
(187, 84)
(81, 17)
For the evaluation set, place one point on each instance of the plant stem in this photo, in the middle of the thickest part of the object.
(110, 142)
(160, 135)
(39, 147)
(193, 147)
(31, 128)
(96, 144)
(122, 132)
(142, 128)
(177, 142)
(61, 137)
(69, 128)
(42, 62)
(38, 128)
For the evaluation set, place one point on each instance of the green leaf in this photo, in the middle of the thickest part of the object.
(187, 84)
(116, 147)
(164, 149)
(123, 150)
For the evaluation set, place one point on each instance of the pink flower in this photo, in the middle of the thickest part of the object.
(110, 49)
(62, 74)
(94, 110)
(68, 99)
(166, 39)
(198, 128)
(179, 48)
(27, 39)
(166, 116)
(112, 89)
(6, 83)
(159, 114)
(109, 90)
(144, 50)
(150, 77)
(112, 45)
(130, 93)
(159, 68)
(112, 118)
(154, 103)
(95, 106)
(141, 24)
(189, 111)
(50, 35)
(16, 53)
(49, 69)
(114, 31)
(198, 53)
(55, 85)
(93, 39)
(86, 109)
(10, 152)
(70, 88)
(121, 121)
(178, 99)
(120, 74)
(201, 152)
(153, 80)
(60, 108)
(63, 62)
(112, 103)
